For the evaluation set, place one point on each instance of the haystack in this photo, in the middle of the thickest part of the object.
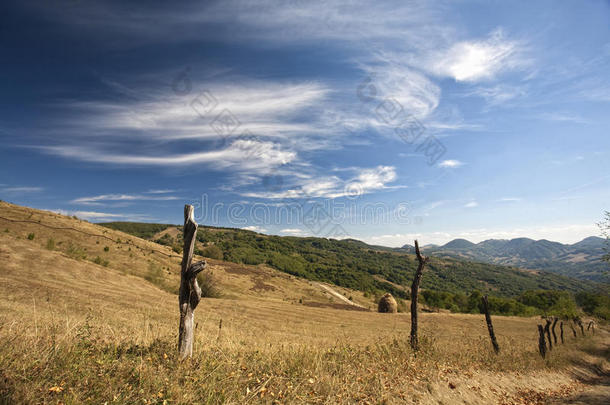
(387, 304)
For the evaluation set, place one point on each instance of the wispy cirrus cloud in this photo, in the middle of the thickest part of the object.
(241, 155)
(365, 181)
(20, 189)
(103, 216)
(104, 198)
(450, 164)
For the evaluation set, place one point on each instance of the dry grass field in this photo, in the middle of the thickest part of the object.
(92, 319)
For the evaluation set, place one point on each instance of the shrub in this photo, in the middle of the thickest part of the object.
(76, 252)
(106, 249)
(209, 285)
(155, 274)
(213, 252)
(50, 243)
(31, 236)
(100, 261)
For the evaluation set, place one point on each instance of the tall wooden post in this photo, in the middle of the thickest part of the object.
(548, 333)
(190, 293)
(561, 330)
(553, 330)
(414, 294)
(541, 343)
(490, 327)
(573, 330)
(582, 329)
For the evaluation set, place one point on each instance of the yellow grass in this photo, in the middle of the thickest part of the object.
(73, 331)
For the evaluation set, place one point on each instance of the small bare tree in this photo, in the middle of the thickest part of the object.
(414, 294)
(190, 293)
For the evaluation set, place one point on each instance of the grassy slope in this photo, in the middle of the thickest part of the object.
(355, 265)
(72, 331)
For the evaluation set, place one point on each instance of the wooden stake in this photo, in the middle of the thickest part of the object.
(573, 330)
(414, 294)
(490, 327)
(190, 293)
(561, 330)
(548, 333)
(541, 343)
(553, 330)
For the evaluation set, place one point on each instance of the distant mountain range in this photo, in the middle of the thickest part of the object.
(580, 260)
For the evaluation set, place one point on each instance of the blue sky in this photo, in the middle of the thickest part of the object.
(382, 122)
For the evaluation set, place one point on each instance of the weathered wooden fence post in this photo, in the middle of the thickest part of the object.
(414, 294)
(591, 326)
(541, 344)
(190, 293)
(561, 330)
(553, 330)
(573, 330)
(548, 334)
(582, 329)
(490, 327)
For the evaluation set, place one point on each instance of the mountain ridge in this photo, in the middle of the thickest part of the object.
(582, 260)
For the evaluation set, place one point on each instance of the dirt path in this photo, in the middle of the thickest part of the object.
(337, 295)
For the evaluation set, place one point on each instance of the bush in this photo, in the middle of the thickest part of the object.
(209, 285)
(76, 252)
(155, 274)
(213, 252)
(106, 249)
(31, 236)
(100, 261)
(50, 244)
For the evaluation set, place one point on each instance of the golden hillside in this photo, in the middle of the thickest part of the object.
(89, 314)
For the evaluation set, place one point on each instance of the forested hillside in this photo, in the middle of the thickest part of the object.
(356, 265)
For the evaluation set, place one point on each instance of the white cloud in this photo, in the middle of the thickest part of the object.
(99, 199)
(509, 199)
(254, 228)
(450, 163)
(471, 61)
(20, 190)
(366, 181)
(563, 117)
(292, 231)
(102, 216)
(499, 94)
(471, 204)
(160, 191)
(241, 154)
(395, 80)
(265, 109)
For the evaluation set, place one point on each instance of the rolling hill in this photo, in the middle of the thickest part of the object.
(582, 260)
(89, 315)
(356, 265)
